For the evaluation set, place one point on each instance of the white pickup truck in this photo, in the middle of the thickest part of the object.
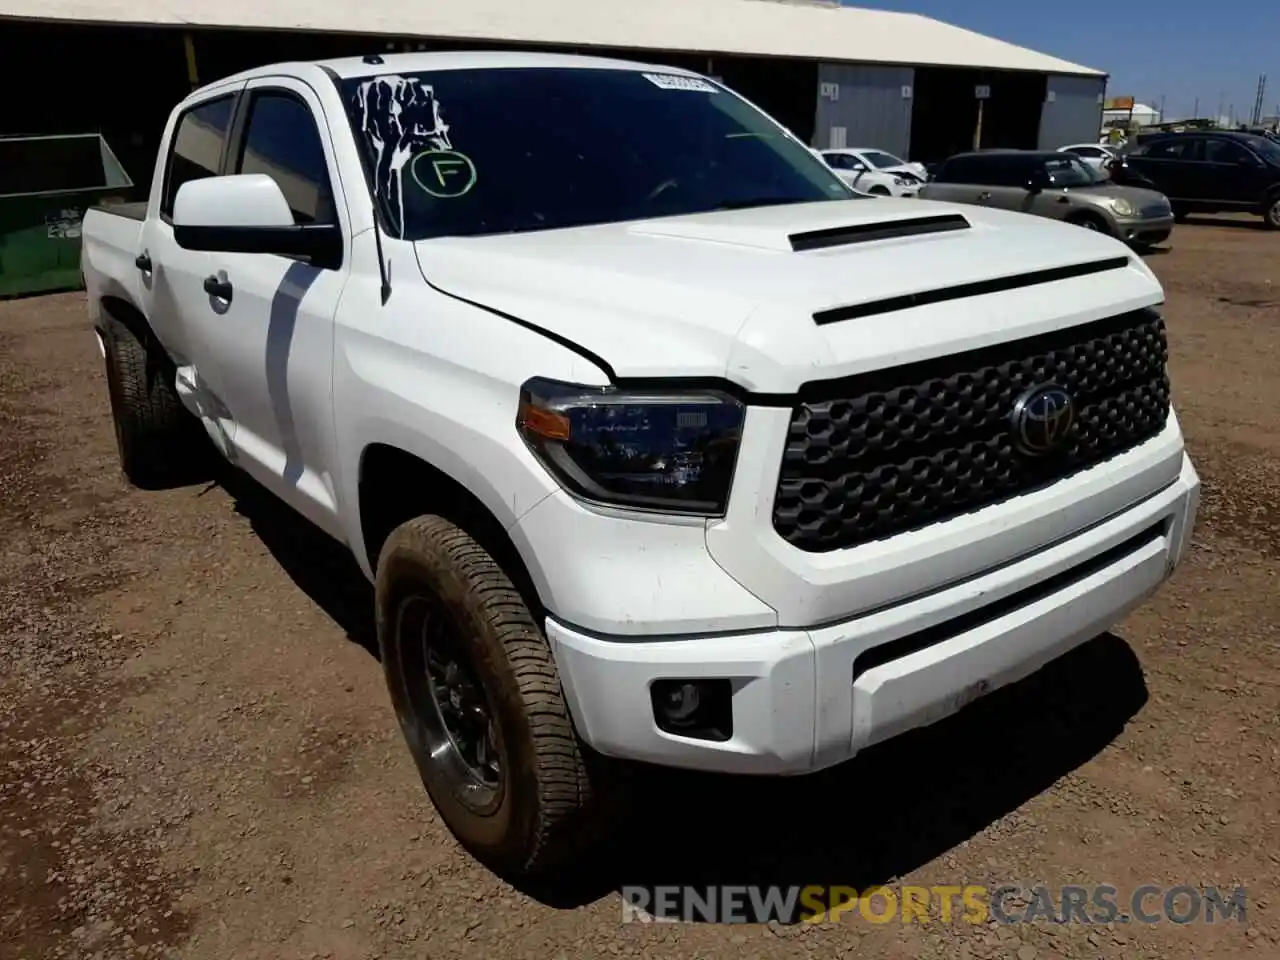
(658, 444)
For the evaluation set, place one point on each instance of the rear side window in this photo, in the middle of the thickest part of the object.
(1007, 170)
(282, 140)
(1176, 149)
(843, 161)
(959, 170)
(198, 141)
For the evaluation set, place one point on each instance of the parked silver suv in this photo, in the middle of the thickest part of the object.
(1057, 185)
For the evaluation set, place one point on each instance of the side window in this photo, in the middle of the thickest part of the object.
(1089, 153)
(1174, 149)
(990, 171)
(957, 170)
(196, 152)
(281, 140)
(1224, 151)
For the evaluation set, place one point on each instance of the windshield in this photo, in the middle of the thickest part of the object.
(486, 151)
(1266, 148)
(1070, 171)
(880, 160)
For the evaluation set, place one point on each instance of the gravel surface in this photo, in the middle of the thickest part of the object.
(198, 758)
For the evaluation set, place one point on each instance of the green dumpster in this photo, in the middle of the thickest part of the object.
(46, 184)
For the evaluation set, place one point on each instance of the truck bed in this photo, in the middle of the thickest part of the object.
(110, 242)
(135, 210)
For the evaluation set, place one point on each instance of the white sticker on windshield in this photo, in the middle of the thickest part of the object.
(672, 81)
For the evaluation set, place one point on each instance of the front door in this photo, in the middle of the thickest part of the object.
(170, 278)
(1233, 174)
(271, 340)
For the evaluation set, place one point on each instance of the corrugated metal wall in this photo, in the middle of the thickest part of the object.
(1072, 111)
(865, 106)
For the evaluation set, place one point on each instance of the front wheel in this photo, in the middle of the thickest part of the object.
(478, 698)
(1090, 223)
(1271, 213)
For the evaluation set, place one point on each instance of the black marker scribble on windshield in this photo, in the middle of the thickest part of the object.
(400, 117)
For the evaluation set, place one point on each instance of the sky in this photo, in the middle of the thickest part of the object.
(1177, 49)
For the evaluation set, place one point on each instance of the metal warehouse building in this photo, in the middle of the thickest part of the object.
(835, 75)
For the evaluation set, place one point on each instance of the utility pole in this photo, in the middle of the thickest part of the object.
(1162, 108)
(1257, 103)
(1195, 111)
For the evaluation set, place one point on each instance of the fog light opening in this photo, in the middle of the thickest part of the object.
(701, 709)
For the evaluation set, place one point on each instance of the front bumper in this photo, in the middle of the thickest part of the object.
(804, 699)
(1147, 231)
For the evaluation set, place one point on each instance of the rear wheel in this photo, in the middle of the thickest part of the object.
(158, 441)
(478, 698)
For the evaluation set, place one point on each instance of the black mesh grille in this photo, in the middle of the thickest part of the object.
(880, 453)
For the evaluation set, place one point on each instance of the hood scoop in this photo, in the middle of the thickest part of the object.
(844, 236)
(800, 227)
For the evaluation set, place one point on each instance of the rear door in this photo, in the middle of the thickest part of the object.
(272, 341)
(1170, 164)
(849, 168)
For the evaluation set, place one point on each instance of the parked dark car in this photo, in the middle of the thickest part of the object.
(1214, 171)
(1053, 184)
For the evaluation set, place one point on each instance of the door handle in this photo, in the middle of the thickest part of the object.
(218, 288)
(143, 262)
(984, 195)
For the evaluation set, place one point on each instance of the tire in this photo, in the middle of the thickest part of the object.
(158, 441)
(1271, 212)
(878, 192)
(537, 812)
(1090, 222)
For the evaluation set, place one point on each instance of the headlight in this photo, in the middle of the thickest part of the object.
(900, 181)
(1122, 207)
(664, 451)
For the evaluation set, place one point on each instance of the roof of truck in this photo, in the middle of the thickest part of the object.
(347, 67)
(809, 29)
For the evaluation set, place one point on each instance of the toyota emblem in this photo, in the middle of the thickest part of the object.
(1042, 419)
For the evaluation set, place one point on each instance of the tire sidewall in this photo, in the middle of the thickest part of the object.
(118, 412)
(1271, 212)
(506, 836)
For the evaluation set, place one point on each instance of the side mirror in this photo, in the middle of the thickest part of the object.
(248, 213)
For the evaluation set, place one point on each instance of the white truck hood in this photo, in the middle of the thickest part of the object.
(773, 297)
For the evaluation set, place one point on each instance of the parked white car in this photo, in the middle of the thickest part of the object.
(655, 449)
(857, 174)
(886, 162)
(1094, 155)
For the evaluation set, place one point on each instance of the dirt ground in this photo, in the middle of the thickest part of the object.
(198, 758)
